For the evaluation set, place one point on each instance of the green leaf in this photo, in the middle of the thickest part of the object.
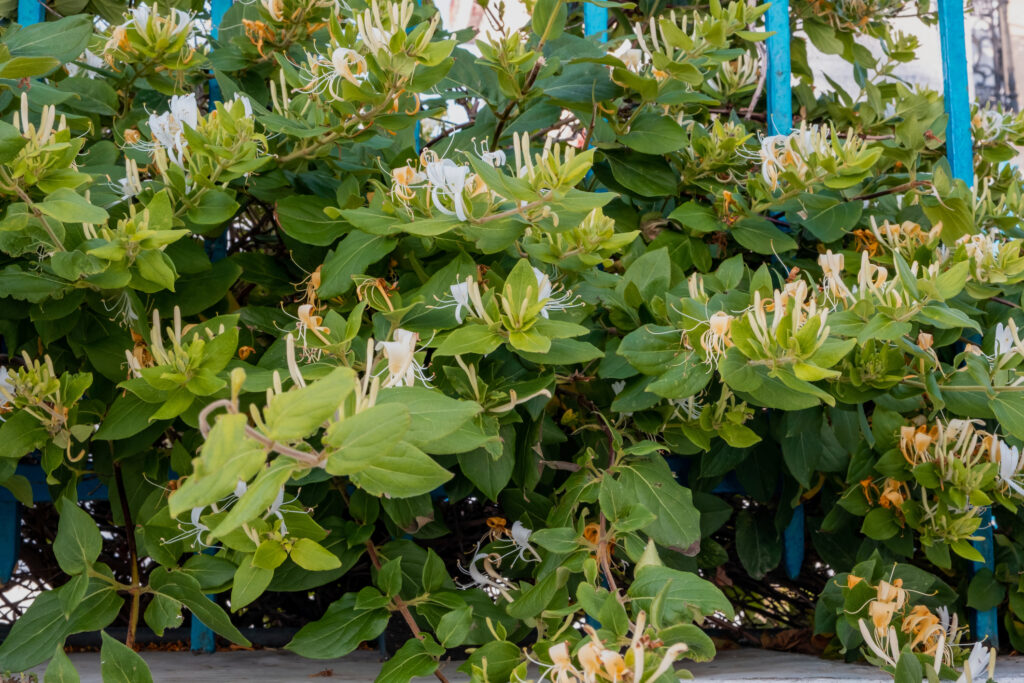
(312, 556)
(257, 498)
(186, 590)
(60, 669)
(35, 634)
(20, 434)
(653, 133)
(828, 218)
(497, 657)
(549, 18)
(157, 267)
(67, 206)
(1008, 407)
(339, 631)
(697, 217)
(651, 481)
(227, 457)
(687, 597)
(453, 628)
(682, 379)
(536, 598)
(487, 473)
(403, 472)
(353, 256)
(11, 142)
(250, 582)
(78, 541)
(908, 667)
(361, 437)
(985, 592)
(651, 273)
(644, 174)
(469, 338)
(28, 285)
(119, 664)
(433, 414)
(63, 40)
(879, 524)
(759, 235)
(303, 217)
(128, 416)
(411, 661)
(757, 543)
(389, 578)
(296, 414)
(214, 208)
(163, 613)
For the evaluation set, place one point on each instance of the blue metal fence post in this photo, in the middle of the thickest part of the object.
(10, 538)
(960, 152)
(30, 12)
(959, 148)
(780, 72)
(595, 21)
(779, 82)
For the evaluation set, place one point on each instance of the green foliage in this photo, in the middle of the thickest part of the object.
(386, 279)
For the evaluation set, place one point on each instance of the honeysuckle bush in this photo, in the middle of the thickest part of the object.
(299, 292)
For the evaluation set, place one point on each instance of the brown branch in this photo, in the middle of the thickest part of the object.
(503, 117)
(892, 190)
(129, 527)
(402, 608)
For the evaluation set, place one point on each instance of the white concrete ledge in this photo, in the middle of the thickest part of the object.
(277, 666)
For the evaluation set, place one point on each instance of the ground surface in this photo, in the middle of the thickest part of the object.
(266, 666)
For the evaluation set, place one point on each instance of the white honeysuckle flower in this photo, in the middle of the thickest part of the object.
(460, 294)
(1004, 340)
(631, 56)
(90, 59)
(980, 665)
(487, 580)
(495, 158)
(519, 537)
(550, 296)
(561, 669)
(325, 74)
(448, 179)
(886, 647)
(140, 17)
(949, 623)
(832, 276)
(6, 390)
(715, 340)
(275, 510)
(688, 408)
(464, 295)
(179, 20)
(131, 184)
(403, 369)
(1009, 459)
(168, 129)
(192, 531)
